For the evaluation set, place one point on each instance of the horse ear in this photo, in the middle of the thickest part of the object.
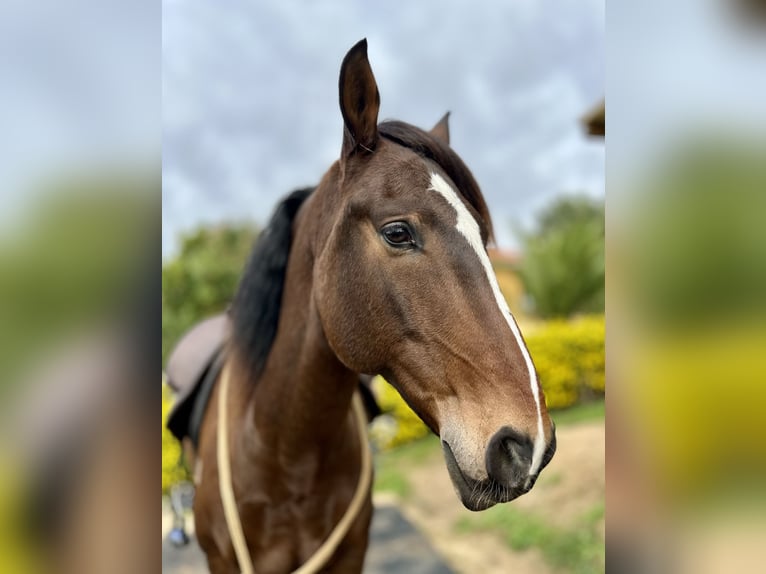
(441, 130)
(359, 101)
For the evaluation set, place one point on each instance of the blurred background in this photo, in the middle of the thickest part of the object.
(250, 112)
(686, 253)
(80, 110)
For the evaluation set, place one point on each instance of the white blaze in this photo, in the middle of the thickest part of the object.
(469, 228)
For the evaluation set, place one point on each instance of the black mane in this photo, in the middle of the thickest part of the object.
(428, 146)
(256, 306)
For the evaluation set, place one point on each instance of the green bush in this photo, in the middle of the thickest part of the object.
(568, 355)
(563, 266)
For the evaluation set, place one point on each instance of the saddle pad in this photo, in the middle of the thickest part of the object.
(185, 418)
(192, 368)
(194, 353)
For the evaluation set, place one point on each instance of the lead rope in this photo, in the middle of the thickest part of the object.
(323, 554)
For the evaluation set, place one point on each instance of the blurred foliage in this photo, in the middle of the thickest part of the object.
(202, 279)
(687, 258)
(704, 394)
(563, 265)
(570, 360)
(408, 425)
(75, 258)
(173, 467)
(695, 238)
(590, 411)
(20, 544)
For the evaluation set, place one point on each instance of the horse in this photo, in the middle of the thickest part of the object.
(381, 268)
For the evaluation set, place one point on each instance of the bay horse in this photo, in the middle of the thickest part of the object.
(382, 268)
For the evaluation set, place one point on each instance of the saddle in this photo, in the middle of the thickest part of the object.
(192, 369)
(194, 366)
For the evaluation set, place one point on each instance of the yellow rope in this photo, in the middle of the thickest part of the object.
(224, 481)
(323, 554)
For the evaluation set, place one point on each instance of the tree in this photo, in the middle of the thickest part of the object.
(563, 265)
(201, 280)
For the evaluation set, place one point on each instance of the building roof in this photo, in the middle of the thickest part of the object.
(594, 121)
(503, 256)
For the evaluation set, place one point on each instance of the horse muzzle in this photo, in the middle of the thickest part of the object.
(508, 460)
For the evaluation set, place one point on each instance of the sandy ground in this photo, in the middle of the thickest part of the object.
(570, 486)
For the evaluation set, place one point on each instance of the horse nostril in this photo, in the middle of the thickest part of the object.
(509, 457)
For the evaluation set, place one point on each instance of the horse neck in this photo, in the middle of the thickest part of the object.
(301, 404)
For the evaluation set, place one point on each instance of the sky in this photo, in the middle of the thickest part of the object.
(79, 90)
(250, 102)
(241, 97)
(675, 70)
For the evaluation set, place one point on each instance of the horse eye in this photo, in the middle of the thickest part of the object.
(398, 234)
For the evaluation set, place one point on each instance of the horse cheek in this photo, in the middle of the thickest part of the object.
(347, 318)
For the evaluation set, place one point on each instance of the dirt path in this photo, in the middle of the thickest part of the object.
(571, 485)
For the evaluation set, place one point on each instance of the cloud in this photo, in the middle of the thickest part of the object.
(250, 97)
(76, 90)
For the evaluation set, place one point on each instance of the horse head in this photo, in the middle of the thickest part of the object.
(404, 287)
